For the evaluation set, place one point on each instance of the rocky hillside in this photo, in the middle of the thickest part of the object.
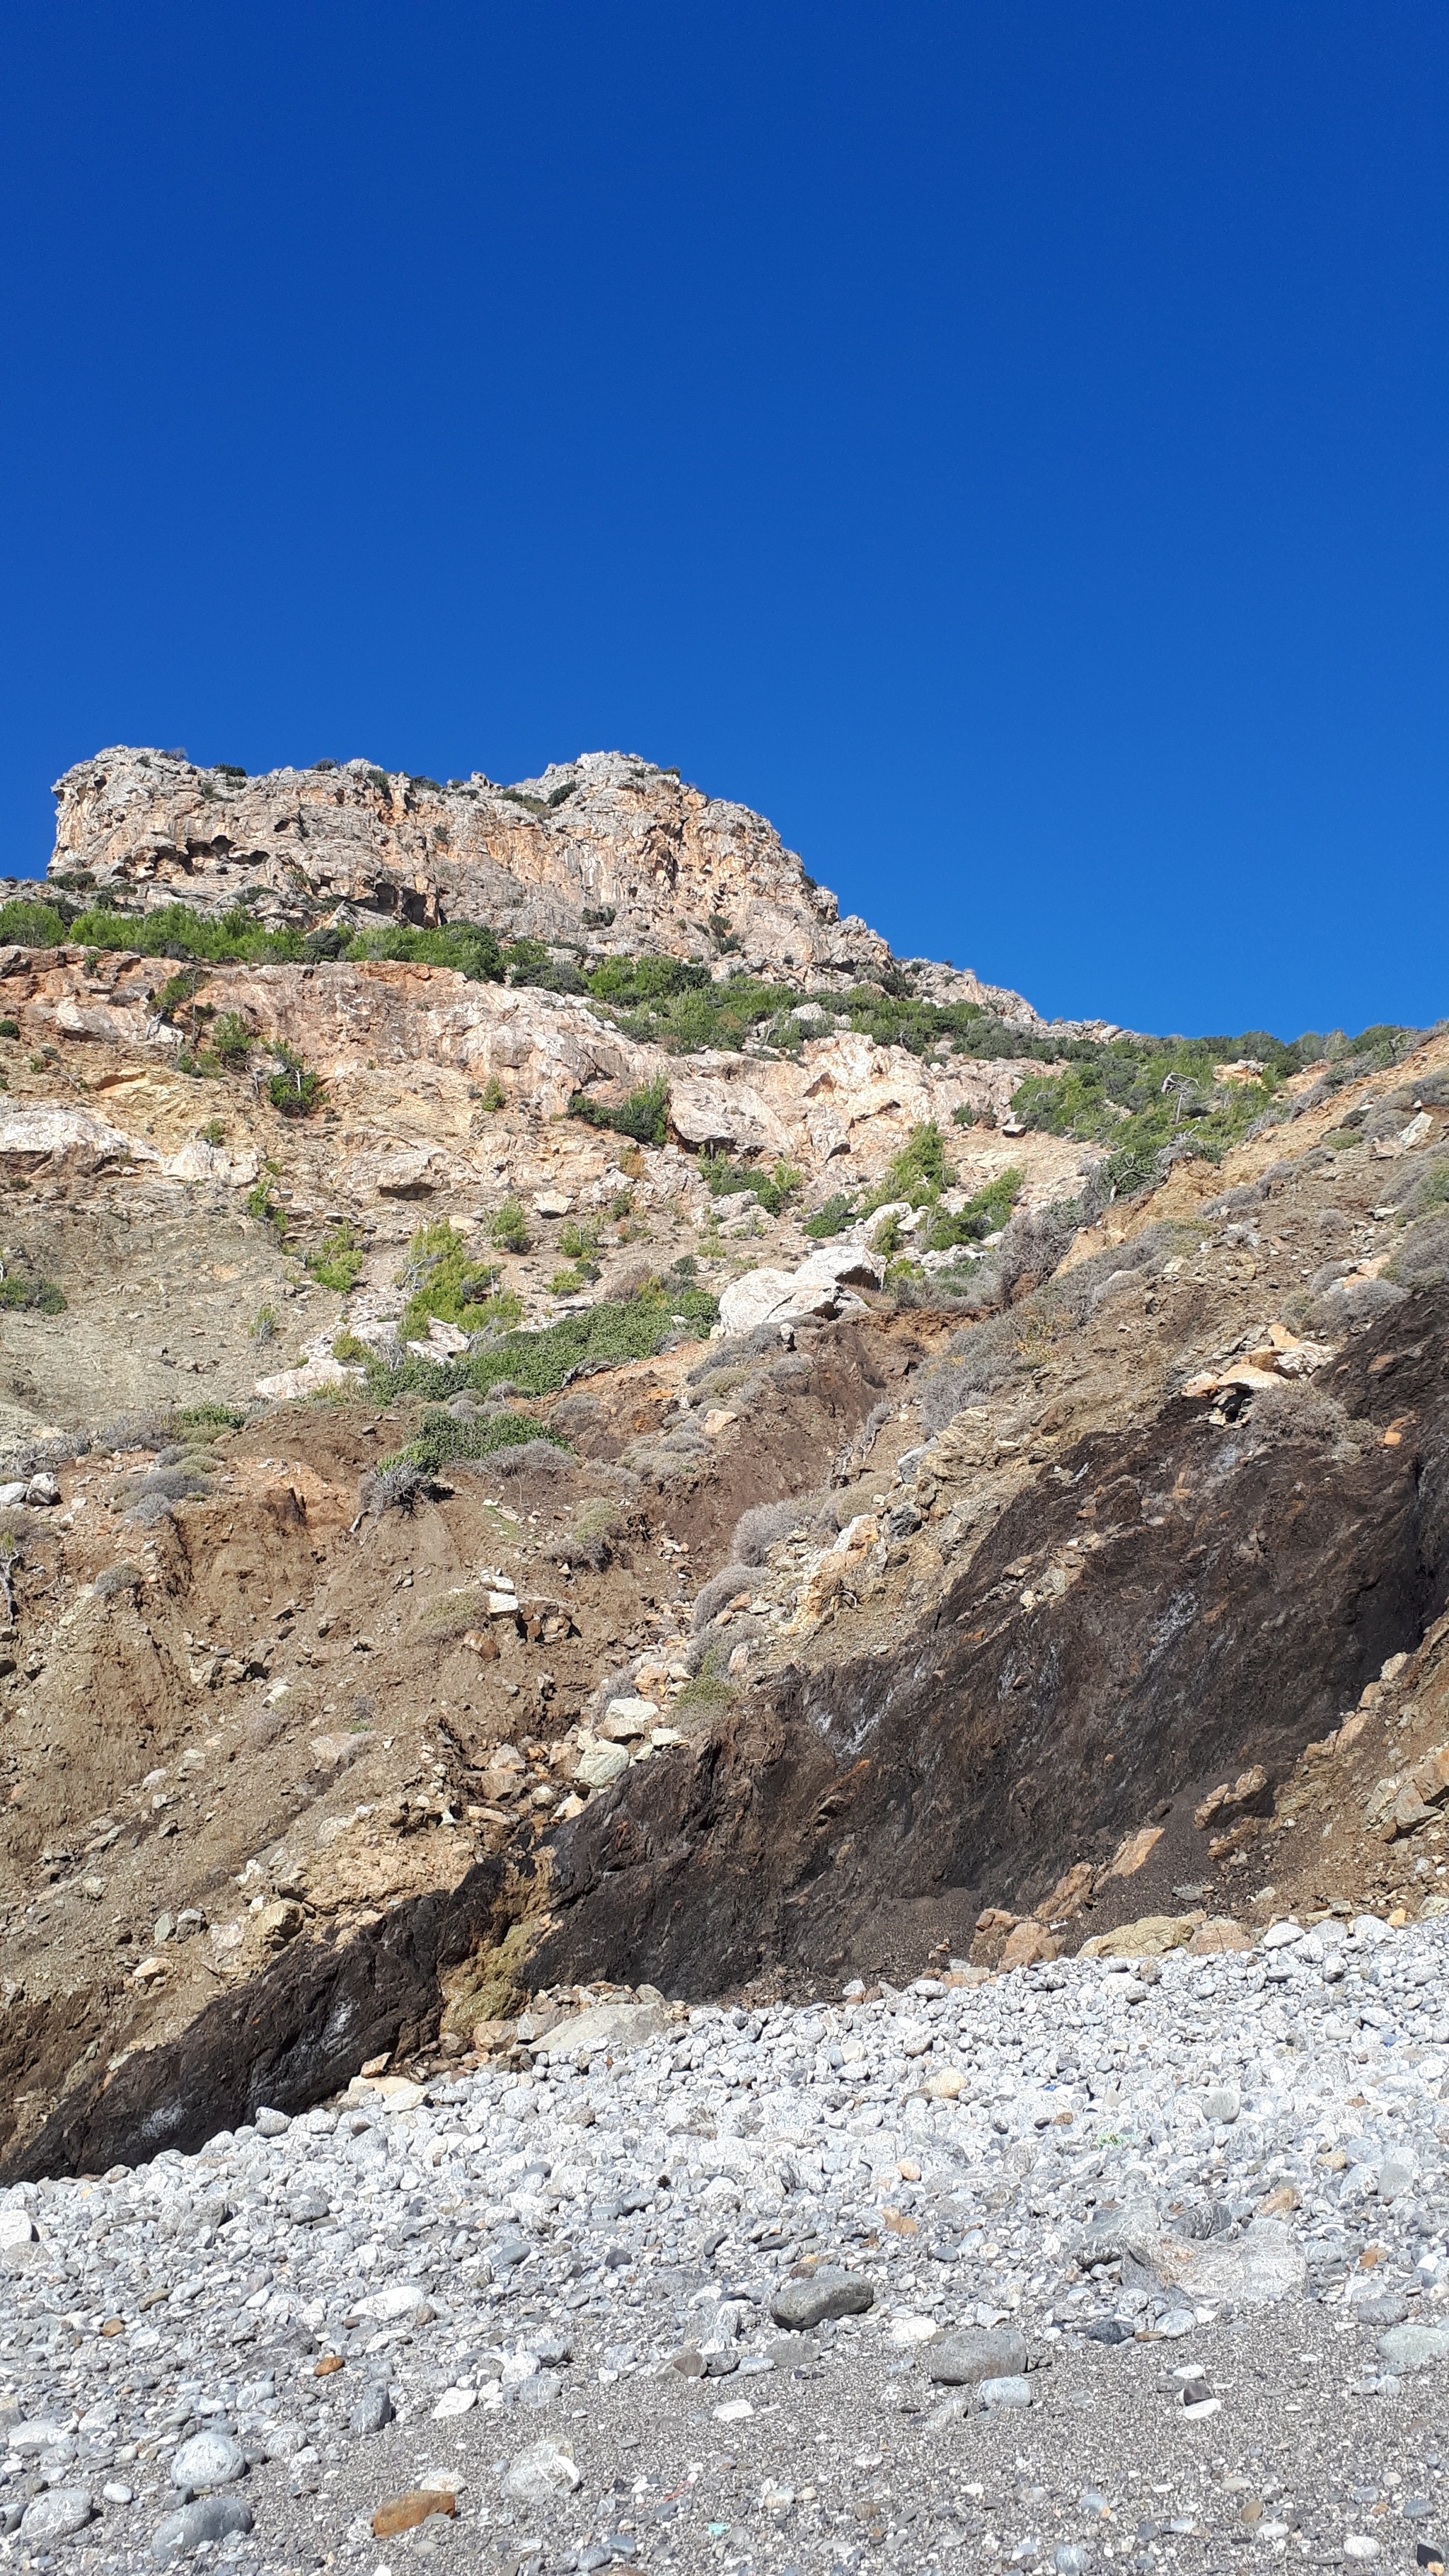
(567, 1416)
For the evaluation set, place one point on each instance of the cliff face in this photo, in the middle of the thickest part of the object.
(606, 850)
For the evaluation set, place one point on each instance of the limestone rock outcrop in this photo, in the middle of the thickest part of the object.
(844, 1105)
(606, 851)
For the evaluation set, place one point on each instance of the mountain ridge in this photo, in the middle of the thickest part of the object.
(607, 852)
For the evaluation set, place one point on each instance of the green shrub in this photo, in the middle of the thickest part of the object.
(338, 1261)
(470, 948)
(214, 1132)
(540, 1363)
(581, 1242)
(349, 1352)
(1432, 1192)
(207, 1421)
(177, 990)
(837, 1213)
(174, 930)
(642, 1116)
(294, 1090)
(509, 1227)
(31, 1296)
(569, 1283)
(492, 1096)
(442, 1438)
(722, 1178)
(632, 983)
(231, 1041)
(783, 1183)
(260, 1203)
(1150, 1099)
(9, 1028)
(265, 1324)
(710, 1695)
(24, 924)
(444, 1280)
(918, 1173)
(984, 1214)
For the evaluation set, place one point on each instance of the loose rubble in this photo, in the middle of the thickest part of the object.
(996, 2229)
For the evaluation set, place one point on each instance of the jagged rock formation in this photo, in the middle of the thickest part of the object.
(605, 852)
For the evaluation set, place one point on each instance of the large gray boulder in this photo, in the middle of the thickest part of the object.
(974, 2354)
(800, 2304)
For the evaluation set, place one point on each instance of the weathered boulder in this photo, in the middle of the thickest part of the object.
(974, 2353)
(66, 1137)
(800, 2304)
(771, 1297)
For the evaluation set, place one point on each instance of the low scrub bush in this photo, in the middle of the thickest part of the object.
(443, 1279)
(763, 1526)
(579, 1242)
(116, 1579)
(231, 1041)
(1296, 1411)
(546, 1455)
(454, 1614)
(509, 1227)
(837, 1213)
(984, 1214)
(338, 1261)
(642, 1115)
(725, 1179)
(149, 1499)
(294, 1090)
(30, 1296)
(208, 1421)
(919, 1172)
(707, 1697)
(444, 1436)
(604, 1336)
(590, 1541)
(725, 1586)
(1430, 1191)
(1422, 1259)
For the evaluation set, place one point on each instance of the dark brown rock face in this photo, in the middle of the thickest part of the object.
(1240, 1595)
(286, 2039)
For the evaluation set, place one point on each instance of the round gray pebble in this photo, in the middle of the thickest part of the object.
(208, 2460)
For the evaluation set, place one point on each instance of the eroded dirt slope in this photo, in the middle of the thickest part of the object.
(299, 1777)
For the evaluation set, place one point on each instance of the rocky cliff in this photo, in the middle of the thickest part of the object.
(606, 853)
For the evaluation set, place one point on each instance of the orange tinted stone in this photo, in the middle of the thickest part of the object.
(405, 2512)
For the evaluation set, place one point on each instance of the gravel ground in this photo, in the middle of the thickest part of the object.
(1145, 2264)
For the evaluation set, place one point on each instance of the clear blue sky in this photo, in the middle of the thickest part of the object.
(1004, 443)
